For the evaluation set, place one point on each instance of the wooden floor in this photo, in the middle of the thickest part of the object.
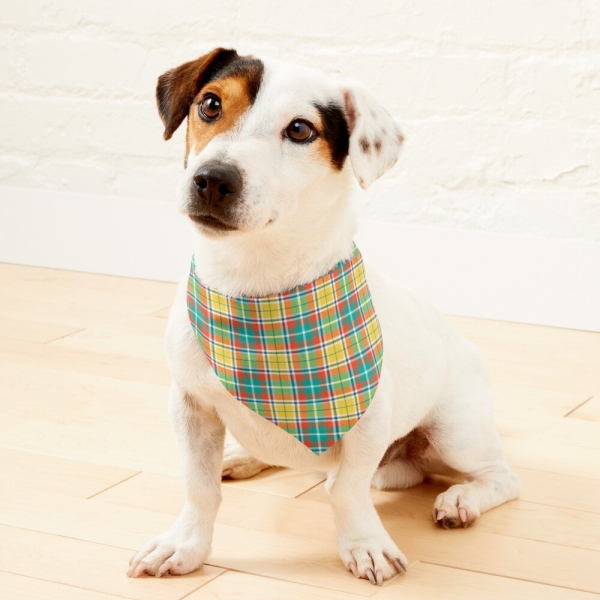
(89, 470)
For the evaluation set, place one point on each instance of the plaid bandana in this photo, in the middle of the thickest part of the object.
(307, 359)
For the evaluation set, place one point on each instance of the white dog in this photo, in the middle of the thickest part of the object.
(266, 186)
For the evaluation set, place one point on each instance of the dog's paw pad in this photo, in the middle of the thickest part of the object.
(456, 507)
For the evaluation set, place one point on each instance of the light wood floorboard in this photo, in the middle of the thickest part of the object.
(89, 469)
(589, 411)
(19, 587)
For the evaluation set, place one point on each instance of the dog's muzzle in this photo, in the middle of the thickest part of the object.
(216, 187)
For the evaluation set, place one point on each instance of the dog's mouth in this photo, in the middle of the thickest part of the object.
(211, 222)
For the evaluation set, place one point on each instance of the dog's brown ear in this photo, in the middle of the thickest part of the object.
(177, 88)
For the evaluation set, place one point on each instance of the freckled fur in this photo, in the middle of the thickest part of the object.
(365, 145)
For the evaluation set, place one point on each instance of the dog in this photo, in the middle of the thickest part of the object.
(271, 150)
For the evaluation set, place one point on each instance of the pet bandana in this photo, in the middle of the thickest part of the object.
(307, 359)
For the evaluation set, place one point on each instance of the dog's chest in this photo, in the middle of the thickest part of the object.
(261, 438)
(306, 359)
(194, 375)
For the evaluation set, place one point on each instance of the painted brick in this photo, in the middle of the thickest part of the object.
(50, 126)
(102, 66)
(511, 24)
(565, 87)
(551, 151)
(499, 99)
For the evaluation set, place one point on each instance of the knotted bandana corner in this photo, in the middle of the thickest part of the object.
(307, 359)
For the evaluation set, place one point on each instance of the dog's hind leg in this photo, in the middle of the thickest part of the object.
(468, 442)
(398, 474)
(400, 466)
(238, 464)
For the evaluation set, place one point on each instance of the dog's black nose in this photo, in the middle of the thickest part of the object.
(218, 183)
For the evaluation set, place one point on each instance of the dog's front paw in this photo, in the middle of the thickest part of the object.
(372, 559)
(238, 464)
(172, 553)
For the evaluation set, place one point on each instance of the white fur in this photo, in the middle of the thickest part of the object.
(295, 225)
(372, 126)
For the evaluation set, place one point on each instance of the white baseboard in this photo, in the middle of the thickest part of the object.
(530, 280)
(98, 234)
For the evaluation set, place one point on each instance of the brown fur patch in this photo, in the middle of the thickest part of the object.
(177, 88)
(365, 145)
(235, 98)
(411, 447)
(177, 91)
(322, 148)
(377, 145)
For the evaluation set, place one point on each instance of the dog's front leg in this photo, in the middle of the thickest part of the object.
(365, 546)
(184, 547)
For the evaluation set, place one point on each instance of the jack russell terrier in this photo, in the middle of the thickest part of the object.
(280, 332)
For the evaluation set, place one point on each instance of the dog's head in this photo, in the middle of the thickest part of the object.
(265, 139)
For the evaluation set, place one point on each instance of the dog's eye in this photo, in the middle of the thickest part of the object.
(299, 130)
(210, 108)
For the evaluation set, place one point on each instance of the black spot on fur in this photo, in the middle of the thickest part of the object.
(365, 145)
(224, 59)
(335, 132)
(251, 69)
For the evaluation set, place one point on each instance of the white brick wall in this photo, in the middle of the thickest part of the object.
(500, 99)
